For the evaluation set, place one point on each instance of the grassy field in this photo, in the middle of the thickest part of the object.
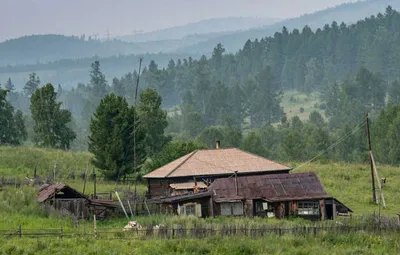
(344, 244)
(292, 101)
(349, 183)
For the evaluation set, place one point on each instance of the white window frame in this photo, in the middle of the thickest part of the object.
(308, 207)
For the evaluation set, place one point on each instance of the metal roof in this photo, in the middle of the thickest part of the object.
(271, 187)
(50, 191)
(216, 162)
(180, 198)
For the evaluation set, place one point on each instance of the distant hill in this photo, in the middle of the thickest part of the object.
(32, 49)
(209, 26)
(347, 13)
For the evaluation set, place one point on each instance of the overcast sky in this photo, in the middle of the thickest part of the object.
(120, 17)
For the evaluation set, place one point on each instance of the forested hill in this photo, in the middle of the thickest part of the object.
(44, 48)
(203, 27)
(304, 60)
(347, 13)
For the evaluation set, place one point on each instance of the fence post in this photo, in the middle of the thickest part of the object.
(20, 231)
(94, 226)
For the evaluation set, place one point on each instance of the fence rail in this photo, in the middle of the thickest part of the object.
(194, 232)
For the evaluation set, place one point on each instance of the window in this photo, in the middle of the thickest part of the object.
(190, 209)
(231, 208)
(262, 206)
(308, 208)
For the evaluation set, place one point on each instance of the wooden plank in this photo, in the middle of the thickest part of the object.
(378, 179)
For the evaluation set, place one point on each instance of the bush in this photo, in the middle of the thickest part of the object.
(301, 109)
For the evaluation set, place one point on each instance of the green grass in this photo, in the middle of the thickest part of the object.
(21, 161)
(292, 107)
(335, 244)
(349, 183)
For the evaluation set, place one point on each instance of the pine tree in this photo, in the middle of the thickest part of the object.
(111, 138)
(50, 122)
(98, 81)
(32, 84)
(152, 119)
(9, 85)
(12, 127)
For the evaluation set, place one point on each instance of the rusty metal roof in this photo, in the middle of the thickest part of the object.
(50, 191)
(180, 198)
(187, 185)
(216, 162)
(271, 187)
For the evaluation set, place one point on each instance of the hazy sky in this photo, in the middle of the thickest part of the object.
(22, 17)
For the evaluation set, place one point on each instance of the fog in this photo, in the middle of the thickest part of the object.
(121, 17)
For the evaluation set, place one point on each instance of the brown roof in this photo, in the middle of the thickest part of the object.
(188, 185)
(216, 162)
(50, 191)
(271, 187)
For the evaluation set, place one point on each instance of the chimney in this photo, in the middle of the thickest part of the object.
(217, 145)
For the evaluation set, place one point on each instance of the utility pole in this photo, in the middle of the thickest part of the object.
(134, 136)
(371, 163)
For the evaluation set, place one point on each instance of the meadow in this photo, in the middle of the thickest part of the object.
(349, 183)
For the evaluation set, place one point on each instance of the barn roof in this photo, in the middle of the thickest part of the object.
(275, 187)
(49, 192)
(216, 162)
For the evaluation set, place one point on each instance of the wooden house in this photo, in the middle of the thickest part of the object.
(268, 195)
(198, 169)
(63, 198)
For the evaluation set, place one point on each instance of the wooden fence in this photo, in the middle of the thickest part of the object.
(179, 232)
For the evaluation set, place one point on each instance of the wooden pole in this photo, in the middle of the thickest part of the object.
(147, 208)
(134, 136)
(54, 171)
(379, 181)
(122, 205)
(94, 184)
(84, 182)
(130, 208)
(371, 164)
(94, 226)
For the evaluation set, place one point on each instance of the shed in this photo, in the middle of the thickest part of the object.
(63, 198)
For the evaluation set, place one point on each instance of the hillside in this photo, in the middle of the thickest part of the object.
(203, 28)
(191, 39)
(347, 13)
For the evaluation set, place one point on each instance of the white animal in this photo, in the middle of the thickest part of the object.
(132, 225)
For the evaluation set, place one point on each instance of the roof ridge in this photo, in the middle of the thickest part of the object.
(258, 156)
(183, 162)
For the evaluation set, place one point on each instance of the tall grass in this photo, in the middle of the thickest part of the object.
(326, 244)
(20, 161)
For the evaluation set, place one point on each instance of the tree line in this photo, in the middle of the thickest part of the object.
(237, 98)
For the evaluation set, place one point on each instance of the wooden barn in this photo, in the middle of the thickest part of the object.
(65, 199)
(268, 195)
(195, 171)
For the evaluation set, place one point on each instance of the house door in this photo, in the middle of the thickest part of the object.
(286, 209)
(329, 211)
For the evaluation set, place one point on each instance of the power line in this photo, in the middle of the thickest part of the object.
(354, 130)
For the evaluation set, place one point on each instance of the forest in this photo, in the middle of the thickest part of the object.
(238, 97)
